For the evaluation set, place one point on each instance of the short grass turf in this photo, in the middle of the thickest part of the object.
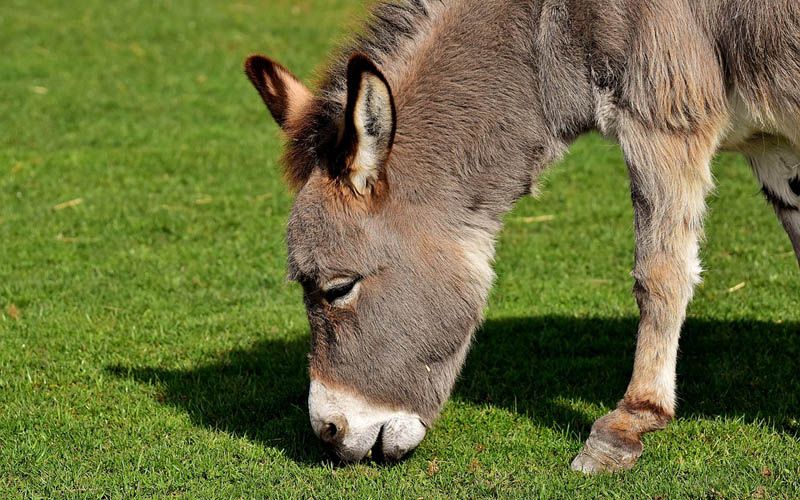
(151, 346)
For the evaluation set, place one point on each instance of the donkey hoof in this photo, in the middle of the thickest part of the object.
(607, 453)
(587, 464)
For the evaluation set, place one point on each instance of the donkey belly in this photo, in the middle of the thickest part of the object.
(772, 146)
(749, 127)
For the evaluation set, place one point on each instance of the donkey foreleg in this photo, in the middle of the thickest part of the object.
(670, 177)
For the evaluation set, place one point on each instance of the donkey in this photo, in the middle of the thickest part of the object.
(427, 127)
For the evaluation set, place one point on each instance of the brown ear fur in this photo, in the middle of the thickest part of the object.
(284, 95)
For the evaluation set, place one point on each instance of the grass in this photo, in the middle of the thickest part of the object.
(150, 345)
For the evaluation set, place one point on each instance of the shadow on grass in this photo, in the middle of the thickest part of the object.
(533, 366)
(536, 366)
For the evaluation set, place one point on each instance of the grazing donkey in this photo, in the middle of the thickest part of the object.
(429, 126)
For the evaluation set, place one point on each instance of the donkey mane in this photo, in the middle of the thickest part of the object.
(390, 25)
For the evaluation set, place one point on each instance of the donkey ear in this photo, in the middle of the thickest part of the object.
(370, 123)
(284, 95)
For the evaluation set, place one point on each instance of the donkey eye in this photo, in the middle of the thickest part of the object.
(339, 292)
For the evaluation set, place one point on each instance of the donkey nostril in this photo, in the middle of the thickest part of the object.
(333, 432)
(329, 432)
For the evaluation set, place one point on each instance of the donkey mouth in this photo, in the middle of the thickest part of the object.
(376, 452)
(386, 449)
(380, 454)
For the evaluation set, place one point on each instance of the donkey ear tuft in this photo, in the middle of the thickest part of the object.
(370, 123)
(284, 95)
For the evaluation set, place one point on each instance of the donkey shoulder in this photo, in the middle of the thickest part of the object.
(658, 62)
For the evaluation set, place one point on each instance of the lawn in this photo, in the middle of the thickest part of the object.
(150, 344)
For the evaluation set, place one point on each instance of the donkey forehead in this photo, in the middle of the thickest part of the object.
(330, 233)
(325, 237)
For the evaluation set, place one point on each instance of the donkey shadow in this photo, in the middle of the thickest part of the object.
(533, 366)
(539, 366)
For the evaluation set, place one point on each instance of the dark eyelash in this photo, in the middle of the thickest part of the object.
(338, 292)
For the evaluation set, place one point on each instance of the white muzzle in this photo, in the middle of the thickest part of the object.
(353, 427)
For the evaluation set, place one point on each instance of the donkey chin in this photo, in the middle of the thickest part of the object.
(357, 429)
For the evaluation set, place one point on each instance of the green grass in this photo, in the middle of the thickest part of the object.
(150, 344)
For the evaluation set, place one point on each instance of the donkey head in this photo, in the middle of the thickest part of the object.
(392, 295)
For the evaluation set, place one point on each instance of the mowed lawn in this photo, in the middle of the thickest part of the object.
(150, 344)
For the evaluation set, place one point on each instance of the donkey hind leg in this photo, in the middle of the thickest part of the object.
(778, 171)
(670, 178)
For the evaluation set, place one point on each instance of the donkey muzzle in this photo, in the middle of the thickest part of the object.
(353, 427)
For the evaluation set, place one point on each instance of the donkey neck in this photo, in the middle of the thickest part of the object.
(488, 94)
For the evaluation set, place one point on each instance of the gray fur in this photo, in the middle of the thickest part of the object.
(488, 94)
